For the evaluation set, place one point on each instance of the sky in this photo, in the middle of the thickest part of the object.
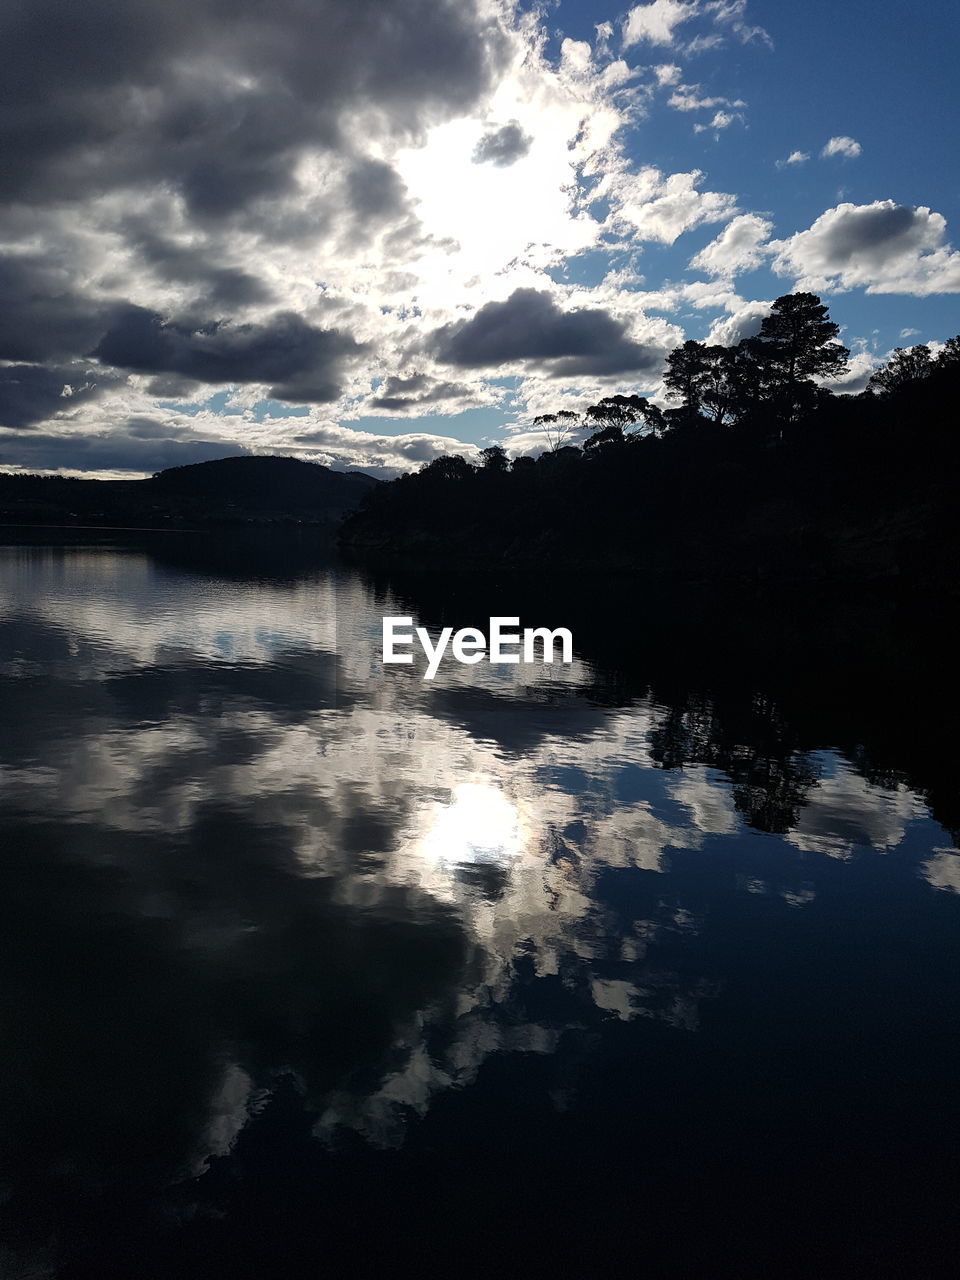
(368, 233)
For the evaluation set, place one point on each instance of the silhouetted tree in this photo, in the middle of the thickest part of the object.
(901, 369)
(708, 381)
(494, 459)
(818, 509)
(720, 386)
(749, 377)
(557, 427)
(798, 343)
(605, 437)
(523, 465)
(448, 467)
(624, 412)
(685, 376)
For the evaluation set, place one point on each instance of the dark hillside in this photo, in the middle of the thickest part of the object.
(228, 491)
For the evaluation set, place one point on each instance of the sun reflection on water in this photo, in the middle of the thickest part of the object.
(479, 824)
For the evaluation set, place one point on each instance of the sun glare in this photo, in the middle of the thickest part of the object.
(492, 223)
(479, 825)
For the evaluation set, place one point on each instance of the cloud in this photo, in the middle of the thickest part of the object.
(739, 247)
(860, 368)
(32, 393)
(502, 146)
(795, 157)
(733, 13)
(220, 285)
(300, 363)
(841, 146)
(687, 98)
(846, 813)
(743, 322)
(398, 395)
(139, 452)
(662, 207)
(667, 73)
(882, 247)
(529, 327)
(146, 92)
(655, 23)
(721, 120)
(942, 871)
(43, 316)
(309, 203)
(377, 454)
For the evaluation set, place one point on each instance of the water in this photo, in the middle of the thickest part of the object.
(310, 966)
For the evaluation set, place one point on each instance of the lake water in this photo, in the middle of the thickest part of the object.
(646, 964)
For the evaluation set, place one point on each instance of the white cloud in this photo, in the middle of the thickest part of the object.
(740, 246)
(604, 32)
(662, 207)
(845, 812)
(795, 157)
(842, 146)
(702, 44)
(882, 247)
(943, 870)
(742, 322)
(708, 802)
(860, 368)
(687, 98)
(655, 23)
(733, 13)
(667, 73)
(721, 120)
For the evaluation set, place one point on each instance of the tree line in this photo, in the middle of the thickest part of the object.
(752, 461)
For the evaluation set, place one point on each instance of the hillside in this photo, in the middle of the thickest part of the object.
(227, 491)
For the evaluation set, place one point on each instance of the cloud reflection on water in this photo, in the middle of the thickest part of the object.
(236, 757)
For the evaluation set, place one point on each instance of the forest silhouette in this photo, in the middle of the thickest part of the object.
(755, 470)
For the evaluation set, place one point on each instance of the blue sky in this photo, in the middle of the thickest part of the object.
(372, 234)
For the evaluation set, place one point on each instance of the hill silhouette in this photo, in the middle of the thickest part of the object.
(226, 491)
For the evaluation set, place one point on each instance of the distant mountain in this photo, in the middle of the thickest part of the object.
(265, 484)
(226, 491)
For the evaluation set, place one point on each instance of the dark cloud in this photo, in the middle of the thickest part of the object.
(30, 393)
(301, 363)
(152, 429)
(414, 449)
(170, 386)
(398, 394)
(503, 146)
(116, 452)
(530, 327)
(376, 192)
(218, 100)
(42, 316)
(889, 248)
(221, 286)
(870, 228)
